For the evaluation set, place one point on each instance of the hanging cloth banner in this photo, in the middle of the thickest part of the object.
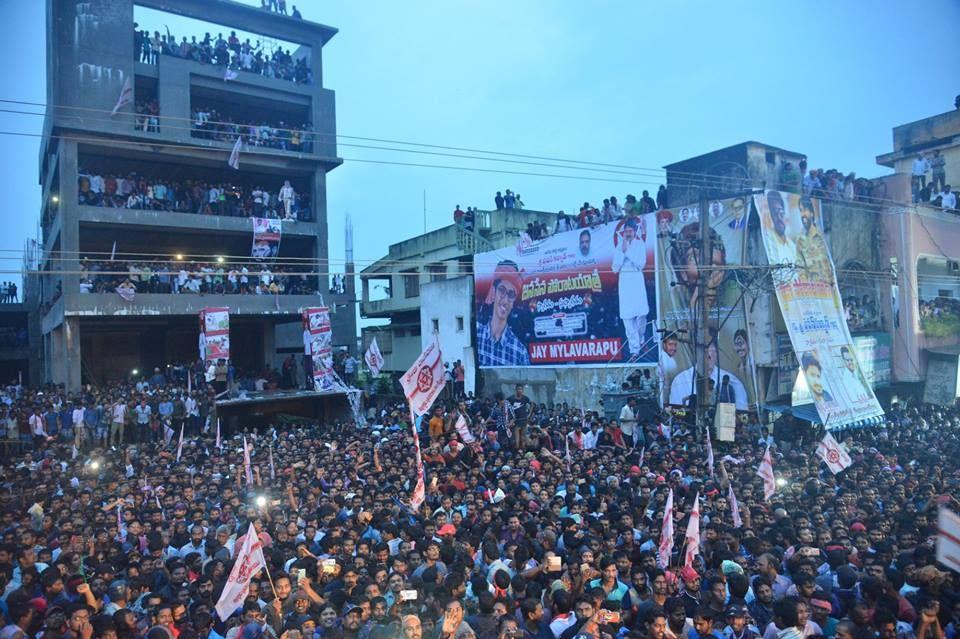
(266, 238)
(215, 334)
(318, 345)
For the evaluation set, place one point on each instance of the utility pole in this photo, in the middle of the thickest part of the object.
(702, 330)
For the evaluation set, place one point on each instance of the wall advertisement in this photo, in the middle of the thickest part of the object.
(729, 361)
(580, 297)
(215, 334)
(318, 345)
(806, 288)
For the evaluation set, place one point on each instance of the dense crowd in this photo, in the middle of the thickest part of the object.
(940, 310)
(154, 275)
(133, 191)
(210, 124)
(228, 52)
(539, 522)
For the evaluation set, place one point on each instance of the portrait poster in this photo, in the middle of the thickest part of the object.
(266, 238)
(806, 286)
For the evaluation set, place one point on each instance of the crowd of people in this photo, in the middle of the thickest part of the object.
(228, 52)
(166, 276)
(929, 181)
(210, 124)
(941, 311)
(203, 197)
(862, 312)
(539, 522)
(280, 6)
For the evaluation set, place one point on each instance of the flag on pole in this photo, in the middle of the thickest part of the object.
(168, 434)
(113, 251)
(249, 562)
(643, 453)
(463, 431)
(692, 536)
(121, 533)
(734, 507)
(230, 74)
(425, 379)
(248, 472)
(126, 96)
(765, 471)
(217, 443)
(709, 451)
(234, 160)
(833, 454)
(666, 533)
(180, 443)
(373, 358)
(273, 472)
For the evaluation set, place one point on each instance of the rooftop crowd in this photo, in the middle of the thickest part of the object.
(228, 52)
(154, 275)
(516, 538)
(203, 197)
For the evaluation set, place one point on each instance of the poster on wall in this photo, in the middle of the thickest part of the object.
(729, 361)
(579, 297)
(266, 238)
(215, 334)
(806, 288)
(318, 345)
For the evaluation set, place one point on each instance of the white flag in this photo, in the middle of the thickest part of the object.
(249, 562)
(734, 507)
(373, 358)
(234, 160)
(168, 434)
(113, 251)
(765, 471)
(126, 96)
(463, 431)
(180, 443)
(425, 379)
(692, 536)
(709, 451)
(230, 74)
(833, 454)
(246, 462)
(666, 533)
(273, 473)
(217, 443)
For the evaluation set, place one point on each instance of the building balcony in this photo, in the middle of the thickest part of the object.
(192, 222)
(389, 307)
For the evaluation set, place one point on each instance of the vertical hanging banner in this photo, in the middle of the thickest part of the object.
(215, 333)
(318, 345)
(806, 286)
(266, 238)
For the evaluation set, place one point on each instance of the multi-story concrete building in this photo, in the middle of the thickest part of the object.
(93, 155)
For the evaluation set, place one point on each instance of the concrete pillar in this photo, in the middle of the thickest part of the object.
(71, 352)
(69, 220)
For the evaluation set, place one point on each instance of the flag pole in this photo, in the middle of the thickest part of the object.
(270, 579)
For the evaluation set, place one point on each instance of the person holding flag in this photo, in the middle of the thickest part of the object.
(249, 562)
(665, 548)
(765, 471)
(422, 384)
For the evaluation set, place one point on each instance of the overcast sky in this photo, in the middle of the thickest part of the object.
(635, 83)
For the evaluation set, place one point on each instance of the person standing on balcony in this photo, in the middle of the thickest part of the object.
(287, 196)
(509, 201)
(498, 201)
(938, 167)
(920, 167)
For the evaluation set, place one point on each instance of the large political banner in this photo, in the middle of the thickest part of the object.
(215, 334)
(318, 345)
(266, 237)
(682, 278)
(581, 297)
(806, 287)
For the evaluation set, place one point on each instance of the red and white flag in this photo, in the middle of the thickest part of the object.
(692, 536)
(666, 533)
(643, 453)
(463, 431)
(126, 96)
(249, 562)
(373, 358)
(234, 160)
(709, 451)
(180, 443)
(765, 471)
(248, 471)
(734, 508)
(230, 74)
(833, 454)
(425, 379)
(420, 490)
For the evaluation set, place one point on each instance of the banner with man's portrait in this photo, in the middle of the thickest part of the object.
(806, 286)
(682, 279)
(267, 232)
(581, 297)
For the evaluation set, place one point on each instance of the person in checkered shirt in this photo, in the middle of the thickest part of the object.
(497, 344)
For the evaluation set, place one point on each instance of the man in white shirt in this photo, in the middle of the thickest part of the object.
(948, 199)
(118, 418)
(853, 382)
(590, 438)
(628, 422)
(78, 431)
(629, 260)
(919, 181)
(667, 366)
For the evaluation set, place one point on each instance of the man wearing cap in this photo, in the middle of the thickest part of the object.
(497, 344)
(737, 627)
(629, 260)
(690, 595)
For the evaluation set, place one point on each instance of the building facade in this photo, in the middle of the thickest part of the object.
(123, 123)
